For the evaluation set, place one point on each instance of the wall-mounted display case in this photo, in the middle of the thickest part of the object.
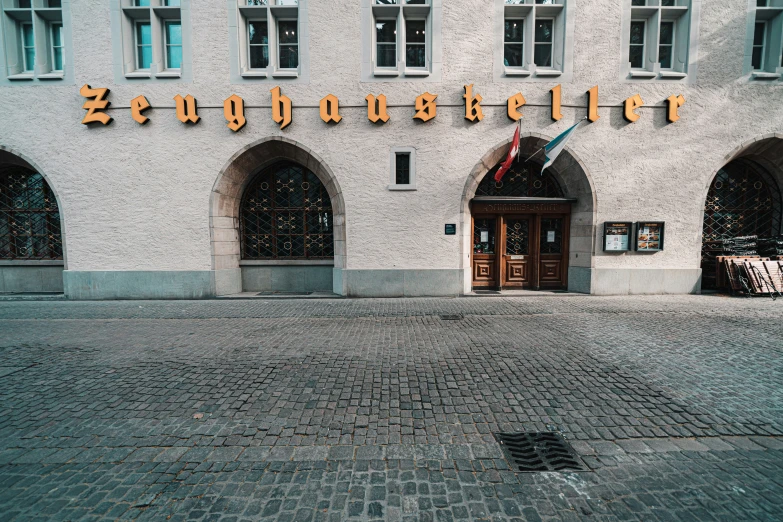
(617, 236)
(649, 236)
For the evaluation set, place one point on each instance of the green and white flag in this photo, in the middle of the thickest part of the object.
(553, 149)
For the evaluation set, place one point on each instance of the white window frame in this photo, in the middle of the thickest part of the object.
(523, 21)
(26, 67)
(383, 70)
(279, 45)
(249, 45)
(137, 46)
(404, 50)
(684, 17)
(551, 44)
(763, 45)
(411, 152)
(53, 47)
(644, 43)
(166, 44)
(672, 45)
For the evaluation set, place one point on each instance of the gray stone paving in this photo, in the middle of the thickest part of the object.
(383, 410)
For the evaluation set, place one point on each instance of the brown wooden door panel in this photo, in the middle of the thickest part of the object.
(484, 272)
(517, 272)
(551, 272)
(518, 251)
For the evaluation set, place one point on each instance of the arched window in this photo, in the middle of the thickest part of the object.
(286, 213)
(29, 217)
(743, 200)
(522, 180)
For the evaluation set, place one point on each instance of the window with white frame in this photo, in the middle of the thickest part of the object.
(764, 60)
(402, 38)
(403, 168)
(269, 37)
(32, 40)
(534, 37)
(659, 39)
(152, 43)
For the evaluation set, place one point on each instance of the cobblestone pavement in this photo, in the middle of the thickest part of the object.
(308, 410)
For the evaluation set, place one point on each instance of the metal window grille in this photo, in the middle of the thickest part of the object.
(286, 213)
(402, 168)
(29, 216)
(523, 180)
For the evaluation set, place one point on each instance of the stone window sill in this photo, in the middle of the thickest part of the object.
(51, 76)
(386, 72)
(673, 75)
(402, 188)
(512, 71)
(138, 75)
(648, 75)
(169, 74)
(417, 72)
(282, 73)
(548, 72)
(761, 75)
(254, 74)
(21, 76)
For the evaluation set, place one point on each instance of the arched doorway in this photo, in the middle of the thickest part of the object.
(31, 231)
(539, 228)
(277, 222)
(744, 199)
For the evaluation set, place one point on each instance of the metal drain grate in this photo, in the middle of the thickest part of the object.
(543, 451)
(451, 317)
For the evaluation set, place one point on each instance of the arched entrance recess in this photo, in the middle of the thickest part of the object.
(234, 272)
(566, 182)
(744, 198)
(32, 247)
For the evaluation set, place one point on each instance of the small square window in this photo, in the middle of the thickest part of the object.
(54, 4)
(24, 4)
(403, 168)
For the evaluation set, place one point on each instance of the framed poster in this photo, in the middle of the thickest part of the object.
(649, 236)
(617, 236)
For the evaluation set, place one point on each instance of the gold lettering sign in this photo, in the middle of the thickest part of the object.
(472, 105)
(187, 109)
(675, 102)
(376, 108)
(96, 102)
(330, 109)
(556, 103)
(139, 104)
(281, 108)
(426, 108)
(592, 104)
(631, 104)
(234, 112)
(514, 103)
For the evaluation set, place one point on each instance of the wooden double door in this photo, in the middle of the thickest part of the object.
(520, 251)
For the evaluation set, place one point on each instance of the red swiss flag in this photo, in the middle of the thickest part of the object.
(512, 153)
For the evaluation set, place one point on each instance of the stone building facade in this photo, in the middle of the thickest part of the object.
(156, 210)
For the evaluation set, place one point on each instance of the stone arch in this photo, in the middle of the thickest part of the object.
(766, 152)
(226, 198)
(34, 275)
(576, 182)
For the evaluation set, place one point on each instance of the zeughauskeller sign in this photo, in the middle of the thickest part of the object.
(649, 236)
(617, 236)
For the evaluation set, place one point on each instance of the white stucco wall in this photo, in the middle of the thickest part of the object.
(137, 197)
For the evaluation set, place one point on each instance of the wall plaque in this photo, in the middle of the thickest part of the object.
(649, 236)
(451, 229)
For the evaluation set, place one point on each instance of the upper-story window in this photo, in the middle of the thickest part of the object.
(32, 40)
(269, 37)
(402, 39)
(151, 40)
(535, 39)
(660, 39)
(764, 56)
